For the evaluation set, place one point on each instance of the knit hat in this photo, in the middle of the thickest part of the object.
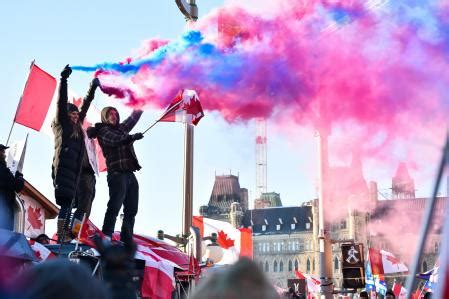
(72, 108)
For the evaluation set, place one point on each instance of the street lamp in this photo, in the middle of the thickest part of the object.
(188, 9)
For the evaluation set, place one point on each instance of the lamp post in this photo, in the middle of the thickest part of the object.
(189, 9)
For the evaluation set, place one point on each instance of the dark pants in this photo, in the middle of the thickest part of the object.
(123, 190)
(6, 211)
(85, 195)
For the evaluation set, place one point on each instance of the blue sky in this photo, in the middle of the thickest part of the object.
(56, 33)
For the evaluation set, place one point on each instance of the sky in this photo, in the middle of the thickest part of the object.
(84, 33)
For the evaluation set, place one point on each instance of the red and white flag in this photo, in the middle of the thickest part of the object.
(384, 262)
(41, 252)
(37, 109)
(159, 278)
(313, 282)
(399, 291)
(185, 107)
(236, 242)
(87, 232)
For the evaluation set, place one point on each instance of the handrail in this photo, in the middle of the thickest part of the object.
(20, 225)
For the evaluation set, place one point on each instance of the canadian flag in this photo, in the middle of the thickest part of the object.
(87, 232)
(399, 291)
(384, 262)
(159, 279)
(185, 107)
(41, 252)
(37, 109)
(313, 282)
(235, 242)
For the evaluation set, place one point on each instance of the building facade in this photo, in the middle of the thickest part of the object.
(285, 239)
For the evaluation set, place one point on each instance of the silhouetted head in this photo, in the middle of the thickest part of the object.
(59, 278)
(244, 279)
(390, 295)
(363, 294)
(110, 115)
(2, 152)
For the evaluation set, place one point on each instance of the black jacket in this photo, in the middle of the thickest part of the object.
(69, 149)
(9, 184)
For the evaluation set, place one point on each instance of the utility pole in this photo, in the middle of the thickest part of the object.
(324, 242)
(189, 9)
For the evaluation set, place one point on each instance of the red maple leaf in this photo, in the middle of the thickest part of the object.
(77, 102)
(34, 216)
(393, 260)
(224, 241)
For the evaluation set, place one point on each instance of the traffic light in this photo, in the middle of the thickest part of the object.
(353, 268)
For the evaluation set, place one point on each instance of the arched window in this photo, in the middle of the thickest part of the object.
(266, 266)
(424, 266)
(296, 265)
(308, 265)
(313, 265)
(261, 266)
(290, 266)
(336, 263)
(281, 266)
(275, 266)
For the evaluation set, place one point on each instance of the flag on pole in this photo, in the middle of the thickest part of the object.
(313, 282)
(399, 291)
(37, 109)
(235, 242)
(185, 107)
(36, 98)
(384, 262)
(15, 155)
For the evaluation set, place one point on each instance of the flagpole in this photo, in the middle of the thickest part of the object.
(430, 206)
(166, 112)
(18, 105)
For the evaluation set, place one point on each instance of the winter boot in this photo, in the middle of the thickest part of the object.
(63, 232)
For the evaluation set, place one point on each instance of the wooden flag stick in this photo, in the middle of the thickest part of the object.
(166, 112)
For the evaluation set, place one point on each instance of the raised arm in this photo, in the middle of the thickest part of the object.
(113, 138)
(61, 107)
(129, 123)
(88, 99)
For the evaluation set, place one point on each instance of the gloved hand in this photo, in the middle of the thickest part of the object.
(95, 83)
(91, 132)
(136, 136)
(66, 72)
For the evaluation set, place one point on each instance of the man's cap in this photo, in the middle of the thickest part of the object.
(2, 147)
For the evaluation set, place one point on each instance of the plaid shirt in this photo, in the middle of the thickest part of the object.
(117, 146)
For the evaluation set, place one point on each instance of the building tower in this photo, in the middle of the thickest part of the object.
(261, 157)
(403, 185)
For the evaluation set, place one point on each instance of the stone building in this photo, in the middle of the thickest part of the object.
(267, 200)
(225, 192)
(283, 241)
(285, 238)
